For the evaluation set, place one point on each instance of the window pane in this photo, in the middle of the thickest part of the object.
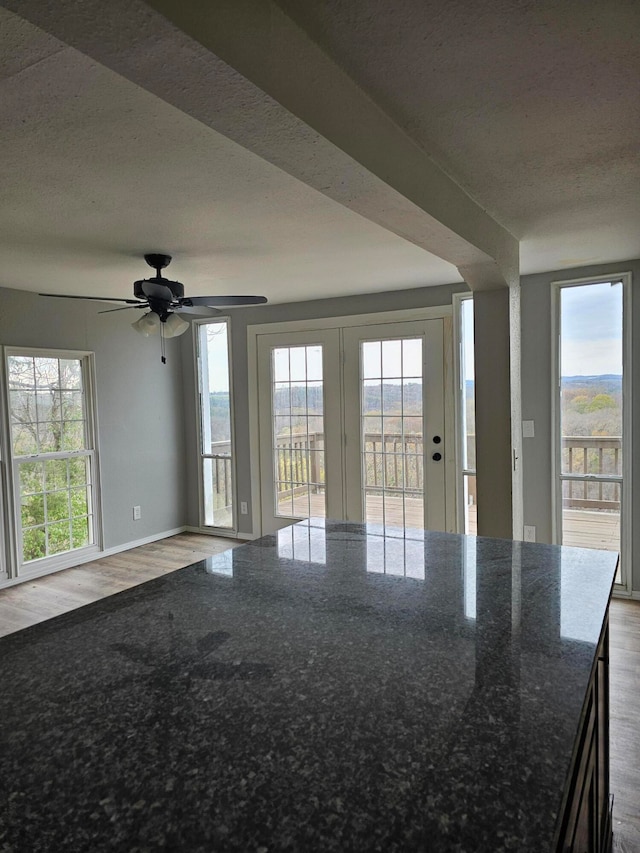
(50, 437)
(470, 506)
(31, 477)
(412, 357)
(58, 537)
(468, 387)
(81, 532)
(56, 474)
(46, 372)
(281, 364)
(591, 409)
(21, 372)
(371, 360)
(392, 359)
(23, 406)
(32, 510)
(24, 439)
(392, 465)
(70, 373)
(57, 505)
(298, 432)
(79, 502)
(218, 501)
(48, 414)
(34, 544)
(215, 418)
(73, 435)
(79, 471)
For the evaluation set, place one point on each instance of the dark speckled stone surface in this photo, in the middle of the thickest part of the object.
(330, 688)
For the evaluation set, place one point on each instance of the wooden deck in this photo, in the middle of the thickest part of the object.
(581, 528)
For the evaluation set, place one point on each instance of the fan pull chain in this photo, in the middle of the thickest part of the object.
(162, 345)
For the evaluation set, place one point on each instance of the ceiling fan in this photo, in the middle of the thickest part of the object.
(165, 302)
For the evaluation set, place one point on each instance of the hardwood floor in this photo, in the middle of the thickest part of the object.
(624, 654)
(37, 600)
(40, 599)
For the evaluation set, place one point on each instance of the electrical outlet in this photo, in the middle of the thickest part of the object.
(137, 513)
(243, 508)
(529, 533)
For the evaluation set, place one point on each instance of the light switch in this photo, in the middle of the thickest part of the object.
(528, 429)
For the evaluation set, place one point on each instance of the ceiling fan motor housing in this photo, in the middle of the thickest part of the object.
(176, 287)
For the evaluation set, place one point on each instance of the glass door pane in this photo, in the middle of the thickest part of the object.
(395, 444)
(297, 405)
(300, 452)
(591, 413)
(392, 432)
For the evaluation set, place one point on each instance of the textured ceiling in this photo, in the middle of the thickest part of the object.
(531, 107)
(95, 171)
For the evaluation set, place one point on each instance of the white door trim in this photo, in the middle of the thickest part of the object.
(443, 312)
(627, 426)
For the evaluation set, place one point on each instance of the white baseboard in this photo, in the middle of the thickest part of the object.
(79, 560)
(206, 531)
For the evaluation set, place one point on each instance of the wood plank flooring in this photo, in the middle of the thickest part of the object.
(37, 600)
(40, 599)
(624, 654)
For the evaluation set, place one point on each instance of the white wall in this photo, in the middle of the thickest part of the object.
(140, 417)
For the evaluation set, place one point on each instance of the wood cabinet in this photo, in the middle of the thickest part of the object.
(586, 825)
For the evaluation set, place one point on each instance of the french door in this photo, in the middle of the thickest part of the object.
(352, 425)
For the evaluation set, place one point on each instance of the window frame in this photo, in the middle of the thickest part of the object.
(627, 431)
(17, 569)
(209, 528)
(461, 471)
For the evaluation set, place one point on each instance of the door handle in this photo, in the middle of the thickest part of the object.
(436, 457)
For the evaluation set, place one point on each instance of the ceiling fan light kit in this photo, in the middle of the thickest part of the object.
(147, 325)
(166, 302)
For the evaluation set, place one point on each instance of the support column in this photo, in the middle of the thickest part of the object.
(497, 390)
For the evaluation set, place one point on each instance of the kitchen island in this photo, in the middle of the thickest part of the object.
(334, 687)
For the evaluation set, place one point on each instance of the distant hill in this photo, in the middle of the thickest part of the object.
(607, 383)
(603, 377)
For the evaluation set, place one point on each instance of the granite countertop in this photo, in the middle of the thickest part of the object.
(334, 687)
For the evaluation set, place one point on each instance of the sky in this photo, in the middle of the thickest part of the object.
(217, 349)
(591, 340)
(591, 321)
(591, 329)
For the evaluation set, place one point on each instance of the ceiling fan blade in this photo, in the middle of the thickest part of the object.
(223, 301)
(126, 308)
(155, 290)
(94, 298)
(202, 310)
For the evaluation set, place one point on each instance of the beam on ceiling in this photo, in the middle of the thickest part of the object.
(243, 68)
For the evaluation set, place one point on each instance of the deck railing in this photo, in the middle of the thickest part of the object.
(395, 461)
(586, 456)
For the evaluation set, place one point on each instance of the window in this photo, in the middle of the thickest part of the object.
(216, 432)
(52, 453)
(466, 420)
(592, 407)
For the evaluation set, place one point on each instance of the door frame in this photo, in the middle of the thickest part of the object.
(556, 444)
(432, 381)
(329, 340)
(443, 312)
